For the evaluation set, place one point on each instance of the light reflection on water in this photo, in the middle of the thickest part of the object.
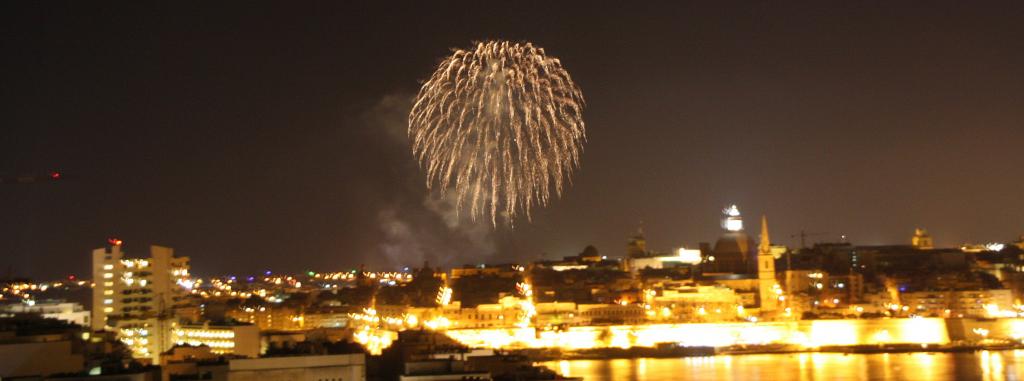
(984, 365)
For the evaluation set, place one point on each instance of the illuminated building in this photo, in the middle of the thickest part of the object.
(510, 312)
(740, 263)
(591, 314)
(805, 334)
(130, 287)
(69, 312)
(850, 287)
(778, 250)
(578, 279)
(270, 317)
(588, 259)
(325, 318)
(149, 338)
(735, 252)
(797, 281)
(693, 304)
(681, 257)
(556, 314)
(981, 248)
(145, 337)
(503, 271)
(506, 313)
(768, 287)
(815, 289)
(972, 303)
(136, 296)
(502, 314)
(922, 240)
(241, 340)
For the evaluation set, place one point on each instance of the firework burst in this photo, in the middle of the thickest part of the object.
(500, 126)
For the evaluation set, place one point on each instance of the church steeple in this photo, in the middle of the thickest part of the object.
(765, 247)
(637, 246)
(767, 286)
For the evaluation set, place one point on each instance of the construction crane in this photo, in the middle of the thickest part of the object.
(30, 179)
(803, 237)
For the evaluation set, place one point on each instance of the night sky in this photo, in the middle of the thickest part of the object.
(254, 138)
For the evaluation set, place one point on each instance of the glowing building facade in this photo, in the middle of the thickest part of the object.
(962, 303)
(135, 287)
(136, 296)
(679, 257)
(270, 317)
(70, 312)
(241, 340)
(922, 240)
(692, 304)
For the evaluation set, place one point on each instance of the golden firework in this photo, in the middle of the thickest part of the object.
(501, 125)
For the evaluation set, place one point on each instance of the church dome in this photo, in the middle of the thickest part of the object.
(735, 252)
(736, 243)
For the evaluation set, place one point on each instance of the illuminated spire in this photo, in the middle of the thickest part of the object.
(765, 246)
(769, 291)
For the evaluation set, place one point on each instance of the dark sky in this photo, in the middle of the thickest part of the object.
(252, 137)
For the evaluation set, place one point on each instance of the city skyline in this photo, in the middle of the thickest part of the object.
(731, 221)
(275, 138)
(467, 190)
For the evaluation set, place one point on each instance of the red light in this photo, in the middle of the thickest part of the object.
(71, 277)
(114, 241)
(55, 175)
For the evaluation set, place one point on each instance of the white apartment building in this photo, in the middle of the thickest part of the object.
(136, 296)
